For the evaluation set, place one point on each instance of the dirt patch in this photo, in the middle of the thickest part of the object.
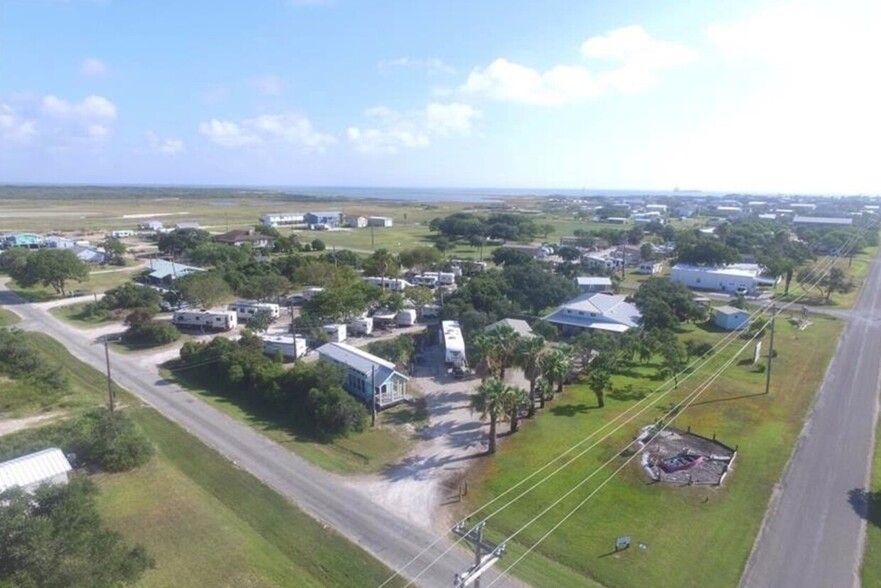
(9, 426)
(684, 458)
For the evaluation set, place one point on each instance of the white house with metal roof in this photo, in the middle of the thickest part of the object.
(367, 374)
(28, 472)
(165, 272)
(601, 312)
(736, 277)
(822, 221)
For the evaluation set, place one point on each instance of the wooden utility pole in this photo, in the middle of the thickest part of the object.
(770, 352)
(372, 240)
(110, 397)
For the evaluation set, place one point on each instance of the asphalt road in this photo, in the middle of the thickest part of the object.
(380, 532)
(814, 530)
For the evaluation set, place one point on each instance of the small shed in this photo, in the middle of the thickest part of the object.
(28, 472)
(731, 318)
(593, 284)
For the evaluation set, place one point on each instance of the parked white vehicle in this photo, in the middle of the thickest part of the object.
(454, 345)
(406, 318)
(430, 311)
(245, 310)
(337, 333)
(310, 292)
(361, 326)
(291, 346)
(215, 320)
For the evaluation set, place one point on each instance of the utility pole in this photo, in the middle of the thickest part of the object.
(373, 396)
(485, 555)
(372, 241)
(770, 352)
(110, 397)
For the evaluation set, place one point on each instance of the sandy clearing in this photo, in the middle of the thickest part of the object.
(9, 426)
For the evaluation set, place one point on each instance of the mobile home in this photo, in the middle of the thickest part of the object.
(246, 310)
(215, 320)
(337, 333)
(454, 344)
(290, 346)
(406, 318)
(363, 325)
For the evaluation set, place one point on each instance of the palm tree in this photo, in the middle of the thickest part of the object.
(516, 399)
(528, 357)
(555, 366)
(483, 354)
(491, 400)
(505, 340)
(383, 263)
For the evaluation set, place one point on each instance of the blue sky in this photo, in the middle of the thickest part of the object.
(748, 95)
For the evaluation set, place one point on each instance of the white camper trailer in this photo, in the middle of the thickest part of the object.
(337, 333)
(245, 310)
(215, 320)
(363, 325)
(454, 344)
(406, 318)
(291, 346)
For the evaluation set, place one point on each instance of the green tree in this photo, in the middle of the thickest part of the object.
(204, 289)
(547, 229)
(555, 366)
(382, 263)
(420, 258)
(54, 539)
(504, 344)
(491, 400)
(600, 377)
(50, 267)
(130, 295)
(646, 253)
(483, 356)
(318, 245)
(182, 241)
(116, 249)
(835, 281)
(675, 358)
(705, 251)
(420, 295)
(443, 244)
(265, 287)
(515, 398)
(528, 356)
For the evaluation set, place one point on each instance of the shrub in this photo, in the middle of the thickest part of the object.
(113, 441)
(696, 348)
(131, 296)
(151, 333)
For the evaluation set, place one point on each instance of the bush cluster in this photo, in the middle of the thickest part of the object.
(310, 394)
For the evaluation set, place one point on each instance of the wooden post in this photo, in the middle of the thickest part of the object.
(373, 396)
(770, 353)
(110, 398)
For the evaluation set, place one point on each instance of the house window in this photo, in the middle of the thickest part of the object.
(593, 314)
(580, 313)
(697, 280)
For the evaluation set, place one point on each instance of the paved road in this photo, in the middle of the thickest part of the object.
(386, 536)
(815, 527)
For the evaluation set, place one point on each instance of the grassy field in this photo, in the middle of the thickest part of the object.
(86, 386)
(204, 521)
(208, 523)
(695, 536)
(8, 318)
(871, 568)
(99, 281)
(73, 314)
(858, 270)
(366, 452)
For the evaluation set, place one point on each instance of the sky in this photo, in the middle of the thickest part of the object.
(751, 96)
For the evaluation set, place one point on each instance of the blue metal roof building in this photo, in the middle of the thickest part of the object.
(330, 218)
(362, 367)
(165, 272)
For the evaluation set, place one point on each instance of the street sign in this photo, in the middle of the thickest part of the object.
(622, 543)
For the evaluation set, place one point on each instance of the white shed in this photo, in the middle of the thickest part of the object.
(27, 472)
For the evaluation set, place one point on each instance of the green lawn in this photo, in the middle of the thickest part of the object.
(695, 536)
(73, 313)
(86, 387)
(95, 284)
(871, 569)
(208, 523)
(8, 318)
(365, 452)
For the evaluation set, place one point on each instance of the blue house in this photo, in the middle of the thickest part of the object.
(730, 318)
(361, 368)
(328, 219)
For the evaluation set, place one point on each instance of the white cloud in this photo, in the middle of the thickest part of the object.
(14, 127)
(431, 65)
(164, 146)
(89, 109)
(636, 58)
(288, 128)
(390, 131)
(268, 85)
(93, 68)
(811, 122)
